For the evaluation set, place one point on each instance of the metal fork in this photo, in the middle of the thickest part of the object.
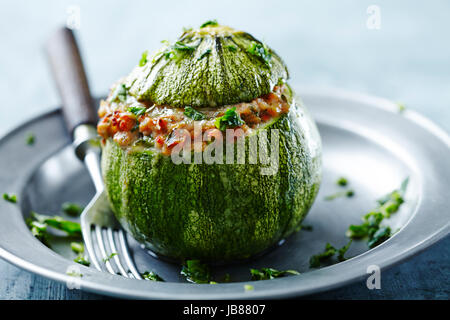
(104, 239)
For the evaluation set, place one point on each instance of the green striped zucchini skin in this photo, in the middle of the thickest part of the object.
(221, 77)
(215, 212)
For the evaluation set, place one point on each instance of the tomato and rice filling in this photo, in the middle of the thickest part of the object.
(130, 122)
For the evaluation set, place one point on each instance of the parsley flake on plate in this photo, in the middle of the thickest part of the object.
(195, 271)
(151, 276)
(72, 209)
(270, 273)
(10, 197)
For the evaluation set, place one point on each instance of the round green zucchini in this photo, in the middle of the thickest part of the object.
(215, 212)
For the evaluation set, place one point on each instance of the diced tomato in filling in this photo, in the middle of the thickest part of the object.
(162, 125)
(265, 117)
(159, 141)
(126, 123)
(161, 122)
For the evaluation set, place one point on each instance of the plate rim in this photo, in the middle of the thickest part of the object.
(260, 290)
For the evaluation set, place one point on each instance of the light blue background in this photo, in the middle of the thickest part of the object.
(324, 43)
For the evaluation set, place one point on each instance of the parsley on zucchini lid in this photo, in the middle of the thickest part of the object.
(211, 66)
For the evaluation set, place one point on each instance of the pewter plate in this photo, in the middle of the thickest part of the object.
(364, 138)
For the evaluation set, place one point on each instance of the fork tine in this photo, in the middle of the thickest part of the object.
(126, 254)
(101, 245)
(87, 238)
(112, 245)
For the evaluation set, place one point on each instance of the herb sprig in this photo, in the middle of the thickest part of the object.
(371, 227)
(10, 197)
(72, 209)
(120, 93)
(39, 231)
(342, 182)
(197, 272)
(204, 54)
(112, 255)
(177, 50)
(137, 110)
(70, 227)
(78, 248)
(194, 114)
(151, 276)
(30, 139)
(143, 60)
(209, 23)
(270, 273)
(316, 260)
(230, 119)
(248, 287)
(348, 194)
(260, 50)
(231, 47)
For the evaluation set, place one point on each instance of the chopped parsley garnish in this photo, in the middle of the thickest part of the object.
(77, 247)
(342, 251)
(231, 47)
(349, 193)
(401, 107)
(82, 260)
(70, 227)
(120, 93)
(106, 259)
(176, 51)
(151, 276)
(381, 235)
(316, 260)
(204, 54)
(194, 114)
(143, 60)
(72, 209)
(30, 139)
(342, 182)
(371, 227)
(396, 195)
(212, 23)
(74, 274)
(136, 110)
(39, 224)
(196, 271)
(270, 273)
(261, 51)
(183, 47)
(39, 230)
(229, 120)
(248, 287)
(10, 197)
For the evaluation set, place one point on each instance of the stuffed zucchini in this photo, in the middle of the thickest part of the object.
(212, 82)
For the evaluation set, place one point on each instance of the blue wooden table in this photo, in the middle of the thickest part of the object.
(398, 50)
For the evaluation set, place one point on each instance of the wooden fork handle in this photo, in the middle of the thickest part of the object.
(68, 72)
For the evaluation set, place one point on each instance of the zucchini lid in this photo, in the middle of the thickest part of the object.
(211, 66)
